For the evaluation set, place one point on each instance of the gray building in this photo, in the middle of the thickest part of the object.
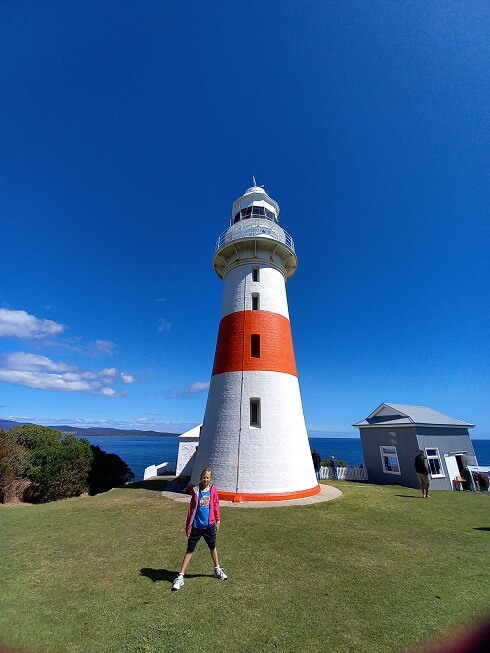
(393, 434)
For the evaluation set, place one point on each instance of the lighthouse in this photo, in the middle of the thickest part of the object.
(253, 434)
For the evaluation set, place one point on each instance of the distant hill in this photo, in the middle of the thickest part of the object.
(7, 424)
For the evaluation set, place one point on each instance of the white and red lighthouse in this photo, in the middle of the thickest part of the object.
(253, 434)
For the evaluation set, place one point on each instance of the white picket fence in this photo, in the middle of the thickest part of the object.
(344, 473)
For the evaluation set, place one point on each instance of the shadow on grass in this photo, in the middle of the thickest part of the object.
(160, 485)
(482, 528)
(159, 575)
(408, 496)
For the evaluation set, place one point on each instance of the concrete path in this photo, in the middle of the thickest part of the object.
(327, 493)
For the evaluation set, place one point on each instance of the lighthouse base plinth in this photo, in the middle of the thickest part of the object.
(239, 497)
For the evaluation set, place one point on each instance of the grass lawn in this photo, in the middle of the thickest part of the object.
(377, 570)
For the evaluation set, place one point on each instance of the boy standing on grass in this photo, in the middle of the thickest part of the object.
(203, 519)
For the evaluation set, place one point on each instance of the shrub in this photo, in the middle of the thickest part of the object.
(41, 464)
(328, 463)
(13, 459)
(108, 470)
(58, 466)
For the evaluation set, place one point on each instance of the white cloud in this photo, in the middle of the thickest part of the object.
(103, 346)
(20, 324)
(158, 423)
(108, 392)
(198, 386)
(45, 381)
(33, 370)
(193, 388)
(94, 348)
(164, 325)
(22, 361)
(42, 373)
(111, 371)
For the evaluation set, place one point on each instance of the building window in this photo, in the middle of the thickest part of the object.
(255, 412)
(434, 462)
(255, 274)
(255, 345)
(255, 301)
(389, 460)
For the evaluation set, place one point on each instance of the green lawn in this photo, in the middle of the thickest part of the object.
(377, 570)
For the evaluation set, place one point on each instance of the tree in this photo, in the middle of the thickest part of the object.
(31, 436)
(108, 470)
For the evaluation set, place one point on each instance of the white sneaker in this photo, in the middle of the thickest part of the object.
(219, 573)
(178, 582)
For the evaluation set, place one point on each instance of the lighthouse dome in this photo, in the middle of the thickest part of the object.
(255, 189)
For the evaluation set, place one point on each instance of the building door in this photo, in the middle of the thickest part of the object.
(452, 467)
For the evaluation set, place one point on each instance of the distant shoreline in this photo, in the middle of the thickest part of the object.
(113, 432)
(90, 430)
(121, 434)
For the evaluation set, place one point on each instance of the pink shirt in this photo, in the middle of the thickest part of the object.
(214, 515)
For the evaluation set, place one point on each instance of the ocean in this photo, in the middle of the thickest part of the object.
(140, 451)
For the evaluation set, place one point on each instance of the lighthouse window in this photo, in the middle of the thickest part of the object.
(255, 301)
(254, 412)
(255, 345)
(254, 212)
(255, 274)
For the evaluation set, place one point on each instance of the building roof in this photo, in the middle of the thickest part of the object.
(194, 432)
(404, 415)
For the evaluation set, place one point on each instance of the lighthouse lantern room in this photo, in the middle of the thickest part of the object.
(253, 434)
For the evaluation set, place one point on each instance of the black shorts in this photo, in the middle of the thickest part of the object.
(208, 533)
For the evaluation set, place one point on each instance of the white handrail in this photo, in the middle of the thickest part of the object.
(251, 228)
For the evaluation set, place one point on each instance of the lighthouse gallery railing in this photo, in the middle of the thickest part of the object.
(250, 228)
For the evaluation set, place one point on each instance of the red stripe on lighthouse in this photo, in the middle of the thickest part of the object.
(238, 497)
(234, 346)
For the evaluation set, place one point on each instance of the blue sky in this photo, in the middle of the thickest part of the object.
(127, 131)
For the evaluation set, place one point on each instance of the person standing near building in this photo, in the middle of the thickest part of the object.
(333, 465)
(422, 468)
(317, 462)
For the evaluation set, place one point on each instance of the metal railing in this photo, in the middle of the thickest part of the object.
(344, 473)
(251, 228)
